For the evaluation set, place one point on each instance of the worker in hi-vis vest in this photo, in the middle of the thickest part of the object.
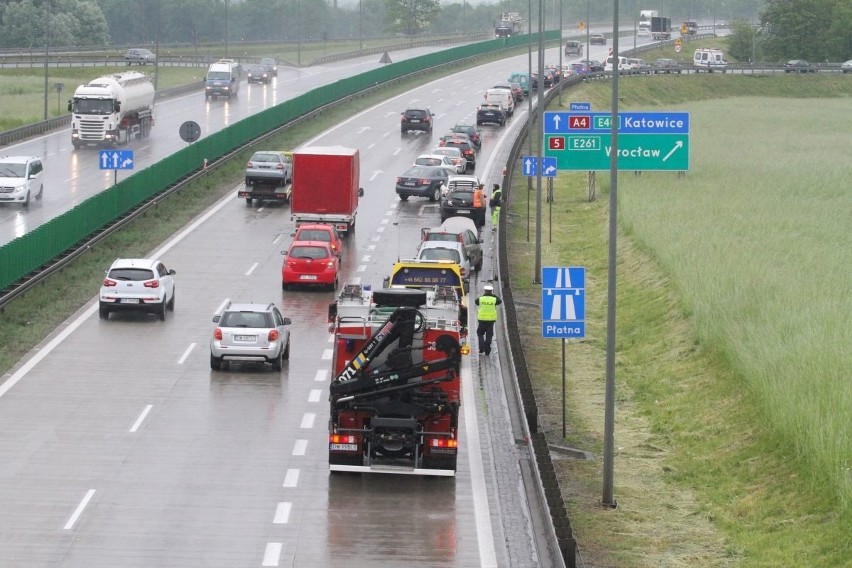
(486, 316)
(495, 203)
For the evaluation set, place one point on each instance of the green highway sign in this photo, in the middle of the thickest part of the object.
(579, 151)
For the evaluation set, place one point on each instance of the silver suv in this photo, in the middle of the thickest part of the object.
(140, 56)
(250, 332)
(21, 179)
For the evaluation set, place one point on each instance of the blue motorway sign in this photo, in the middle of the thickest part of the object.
(563, 302)
(565, 122)
(115, 159)
(530, 166)
(580, 106)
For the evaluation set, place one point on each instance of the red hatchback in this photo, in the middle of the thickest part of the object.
(310, 263)
(319, 232)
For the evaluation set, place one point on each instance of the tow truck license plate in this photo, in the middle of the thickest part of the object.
(308, 277)
(345, 447)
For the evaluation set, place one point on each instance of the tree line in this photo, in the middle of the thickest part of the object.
(764, 30)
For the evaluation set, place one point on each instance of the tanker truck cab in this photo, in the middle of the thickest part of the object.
(108, 110)
(223, 79)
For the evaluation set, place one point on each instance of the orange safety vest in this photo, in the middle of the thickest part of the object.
(478, 198)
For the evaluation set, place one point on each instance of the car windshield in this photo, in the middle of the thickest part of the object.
(422, 172)
(431, 236)
(428, 162)
(265, 158)
(415, 113)
(246, 319)
(308, 252)
(440, 254)
(13, 170)
(131, 274)
(218, 76)
(444, 151)
(466, 195)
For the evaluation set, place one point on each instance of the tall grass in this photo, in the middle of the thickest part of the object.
(758, 240)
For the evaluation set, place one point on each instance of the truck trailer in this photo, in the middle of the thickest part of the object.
(395, 395)
(326, 186)
(109, 110)
(661, 28)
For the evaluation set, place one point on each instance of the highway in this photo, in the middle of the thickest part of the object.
(122, 448)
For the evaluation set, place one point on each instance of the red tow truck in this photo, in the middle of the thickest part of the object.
(395, 395)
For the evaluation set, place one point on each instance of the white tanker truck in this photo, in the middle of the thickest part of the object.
(108, 110)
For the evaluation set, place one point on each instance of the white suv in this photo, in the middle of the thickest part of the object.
(21, 179)
(137, 284)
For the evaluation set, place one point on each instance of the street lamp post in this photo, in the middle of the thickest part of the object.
(360, 23)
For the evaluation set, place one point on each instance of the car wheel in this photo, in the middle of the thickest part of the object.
(403, 198)
(26, 201)
(284, 286)
(103, 313)
(436, 195)
(276, 363)
(403, 131)
(335, 285)
(161, 311)
(171, 304)
(40, 193)
(478, 266)
(215, 363)
(248, 201)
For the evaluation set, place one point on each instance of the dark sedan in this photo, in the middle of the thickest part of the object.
(664, 65)
(422, 181)
(597, 39)
(799, 66)
(470, 130)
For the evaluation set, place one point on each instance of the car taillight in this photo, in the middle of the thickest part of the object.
(462, 270)
(279, 167)
(398, 180)
(329, 264)
(424, 182)
(152, 284)
(109, 283)
(444, 443)
(217, 334)
(402, 118)
(273, 335)
(425, 119)
(249, 165)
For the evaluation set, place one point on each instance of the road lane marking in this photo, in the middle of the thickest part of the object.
(361, 268)
(322, 375)
(380, 229)
(291, 478)
(315, 395)
(79, 510)
(282, 513)
(327, 354)
(142, 416)
(308, 420)
(397, 151)
(186, 353)
(300, 447)
(250, 270)
(272, 554)
(221, 307)
(371, 247)
(376, 238)
(277, 238)
(365, 258)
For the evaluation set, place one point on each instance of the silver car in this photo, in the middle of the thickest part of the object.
(270, 167)
(250, 332)
(140, 56)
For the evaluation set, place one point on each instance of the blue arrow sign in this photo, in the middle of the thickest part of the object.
(563, 302)
(531, 163)
(115, 159)
(629, 122)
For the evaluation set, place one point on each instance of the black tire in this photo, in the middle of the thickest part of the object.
(103, 313)
(478, 266)
(161, 311)
(215, 363)
(171, 304)
(248, 201)
(286, 354)
(436, 195)
(40, 193)
(403, 131)
(284, 287)
(403, 198)
(276, 363)
(26, 202)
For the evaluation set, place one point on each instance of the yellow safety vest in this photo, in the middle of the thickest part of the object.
(487, 308)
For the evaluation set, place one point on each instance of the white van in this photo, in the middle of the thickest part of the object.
(709, 59)
(623, 65)
(502, 97)
(223, 79)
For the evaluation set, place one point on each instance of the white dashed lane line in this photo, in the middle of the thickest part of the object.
(141, 418)
(291, 478)
(79, 510)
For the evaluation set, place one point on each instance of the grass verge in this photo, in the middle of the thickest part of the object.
(733, 399)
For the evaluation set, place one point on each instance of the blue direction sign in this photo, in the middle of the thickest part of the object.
(115, 159)
(563, 302)
(580, 106)
(531, 163)
(564, 122)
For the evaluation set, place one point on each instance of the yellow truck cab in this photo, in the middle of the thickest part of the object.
(419, 274)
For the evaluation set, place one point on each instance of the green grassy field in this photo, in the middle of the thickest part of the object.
(734, 401)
